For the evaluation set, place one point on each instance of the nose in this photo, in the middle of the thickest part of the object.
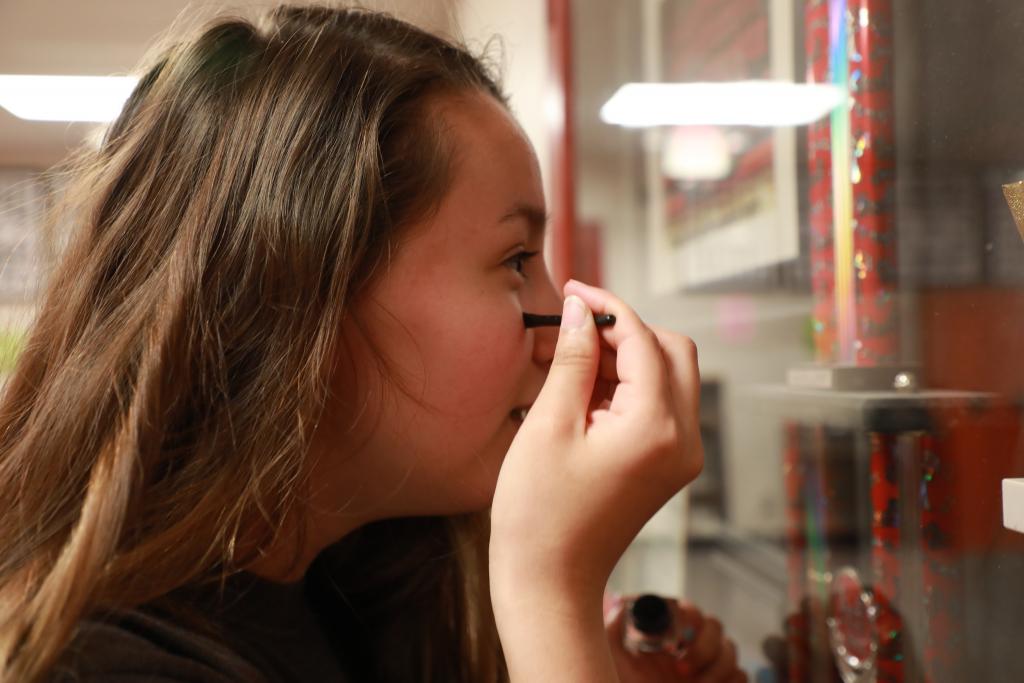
(547, 299)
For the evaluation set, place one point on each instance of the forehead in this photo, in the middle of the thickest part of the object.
(493, 161)
(493, 172)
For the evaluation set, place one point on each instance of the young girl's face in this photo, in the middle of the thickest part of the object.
(447, 312)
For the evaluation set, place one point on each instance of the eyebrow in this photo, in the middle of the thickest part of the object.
(535, 217)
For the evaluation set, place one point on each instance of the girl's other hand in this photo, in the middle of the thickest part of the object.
(611, 438)
(707, 655)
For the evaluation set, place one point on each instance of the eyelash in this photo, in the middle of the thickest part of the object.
(518, 261)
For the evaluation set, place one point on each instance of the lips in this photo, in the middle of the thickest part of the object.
(519, 414)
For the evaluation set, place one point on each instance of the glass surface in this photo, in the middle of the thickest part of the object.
(856, 290)
(855, 287)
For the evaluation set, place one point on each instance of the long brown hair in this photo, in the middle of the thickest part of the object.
(181, 354)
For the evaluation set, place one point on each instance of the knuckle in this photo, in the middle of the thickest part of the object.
(666, 451)
(677, 461)
(677, 340)
(651, 335)
(687, 347)
(692, 463)
(571, 355)
(661, 435)
(666, 436)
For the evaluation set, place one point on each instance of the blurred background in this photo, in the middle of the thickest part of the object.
(813, 191)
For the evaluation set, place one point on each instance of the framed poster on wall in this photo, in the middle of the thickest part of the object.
(722, 200)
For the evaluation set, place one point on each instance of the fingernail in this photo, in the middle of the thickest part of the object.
(573, 312)
(613, 611)
(611, 600)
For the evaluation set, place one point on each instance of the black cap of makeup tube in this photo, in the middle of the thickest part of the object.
(650, 614)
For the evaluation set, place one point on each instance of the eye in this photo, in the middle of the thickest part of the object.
(518, 261)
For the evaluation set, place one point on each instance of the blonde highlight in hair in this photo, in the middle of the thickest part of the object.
(165, 399)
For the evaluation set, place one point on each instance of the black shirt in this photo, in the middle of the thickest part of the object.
(270, 634)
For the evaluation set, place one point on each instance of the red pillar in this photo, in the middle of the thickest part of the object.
(563, 141)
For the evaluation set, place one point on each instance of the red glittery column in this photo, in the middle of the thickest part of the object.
(819, 161)
(873, 173)
(885, 564)
(941, 579)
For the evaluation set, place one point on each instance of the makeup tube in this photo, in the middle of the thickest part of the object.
(534, 320)
(651, 626)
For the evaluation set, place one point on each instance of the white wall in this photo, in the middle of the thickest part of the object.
(521, 27)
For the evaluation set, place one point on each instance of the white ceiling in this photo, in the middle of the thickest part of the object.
(102, 37)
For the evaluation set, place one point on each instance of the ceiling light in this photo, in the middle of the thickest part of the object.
(736, 103)
(65, 98)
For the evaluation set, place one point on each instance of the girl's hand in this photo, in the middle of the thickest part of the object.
(612, 436)
(707, 655)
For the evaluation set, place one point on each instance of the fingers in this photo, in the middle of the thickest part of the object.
(711, 658)
(639, 364)
(631, 666)
(681, 359)
(566, 393)
(691, 622)
(601, 400)
(613, 606)
(680, 355)
(705, 649)
(707, 656)
(606, 366)
(723, 668)
(774, 649)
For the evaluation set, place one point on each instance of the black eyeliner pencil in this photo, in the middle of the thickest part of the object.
(534, 320)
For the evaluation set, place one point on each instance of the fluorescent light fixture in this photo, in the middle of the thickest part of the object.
(736, 103)
(65, 98)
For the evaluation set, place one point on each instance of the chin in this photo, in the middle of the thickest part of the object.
(481, 502)
(476, 497)
(470, 487)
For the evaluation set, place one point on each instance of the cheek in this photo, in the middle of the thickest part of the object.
(481, 369)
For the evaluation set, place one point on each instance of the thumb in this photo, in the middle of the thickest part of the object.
(566, 394)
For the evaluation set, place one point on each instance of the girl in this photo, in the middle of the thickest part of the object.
(279, 417)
